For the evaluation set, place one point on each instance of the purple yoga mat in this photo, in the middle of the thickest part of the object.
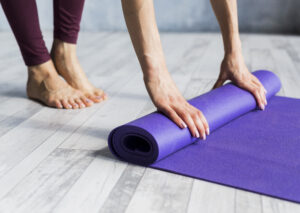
(249, 149)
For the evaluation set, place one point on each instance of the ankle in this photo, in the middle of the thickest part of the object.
(42, 71)
(61, 49)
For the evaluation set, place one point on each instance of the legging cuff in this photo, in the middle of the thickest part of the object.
(65, 38)
(32, 61)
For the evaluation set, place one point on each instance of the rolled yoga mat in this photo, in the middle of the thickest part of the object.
(248, 149)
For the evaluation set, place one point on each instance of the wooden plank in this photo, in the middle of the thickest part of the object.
(42, 189)
(209, 197)
(169, 194)
(123, 190)
(248, 202)
(86, 197)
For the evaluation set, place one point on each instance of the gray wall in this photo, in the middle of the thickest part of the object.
(271, 16)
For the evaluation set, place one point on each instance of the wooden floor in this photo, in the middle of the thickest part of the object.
(57, 160)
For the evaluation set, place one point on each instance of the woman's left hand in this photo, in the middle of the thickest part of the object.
(234, 68)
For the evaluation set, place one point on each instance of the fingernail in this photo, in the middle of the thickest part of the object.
(183, 125)
(207, 131)
(266, 102)
(99, 97)
(204, 137)
(262, 107)
(69, 106)
(82, 105)
(88, 101)
(197, 134)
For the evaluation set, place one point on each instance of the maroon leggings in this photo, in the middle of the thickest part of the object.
(22, 16)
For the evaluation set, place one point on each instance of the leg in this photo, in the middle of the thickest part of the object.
(23, 18)
(67, 16)
(44, 84)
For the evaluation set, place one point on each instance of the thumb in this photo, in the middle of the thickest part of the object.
(219, 82)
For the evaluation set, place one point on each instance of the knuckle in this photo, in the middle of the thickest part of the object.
(186, 118)
(163, 107)
(256, 91)
(194, 115)
(199, 113)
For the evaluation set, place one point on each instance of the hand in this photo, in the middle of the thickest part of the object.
(233, 68)
(167, 98)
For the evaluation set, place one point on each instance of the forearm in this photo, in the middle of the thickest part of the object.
(140, 20)
(233, 66)
(227, 16)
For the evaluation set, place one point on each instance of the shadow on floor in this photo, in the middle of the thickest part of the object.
(9, 122)
(7, 90)
(104, 152)
(14, 93)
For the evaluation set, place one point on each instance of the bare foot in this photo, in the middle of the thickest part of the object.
(66, 62)
(45, 85)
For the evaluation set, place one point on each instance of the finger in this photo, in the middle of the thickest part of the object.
(255, 91)
(199, 125)
(253, 87)
(263, 95)
(80, 103)
(261, 91)
(219, 82)
(168, 111)
(186, 117)
(204, 122)
(66, 104)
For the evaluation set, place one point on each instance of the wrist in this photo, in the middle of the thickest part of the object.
(152, 66)
(234, 46)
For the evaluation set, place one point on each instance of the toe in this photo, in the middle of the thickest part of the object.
(66, 104)
(74, 105)
(96, 99)
(58, 104)
(80, 103)
(98, 96)
(104, 96)
(54, 103)
(87, 101)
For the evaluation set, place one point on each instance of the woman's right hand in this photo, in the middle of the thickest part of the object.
(167, 98)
